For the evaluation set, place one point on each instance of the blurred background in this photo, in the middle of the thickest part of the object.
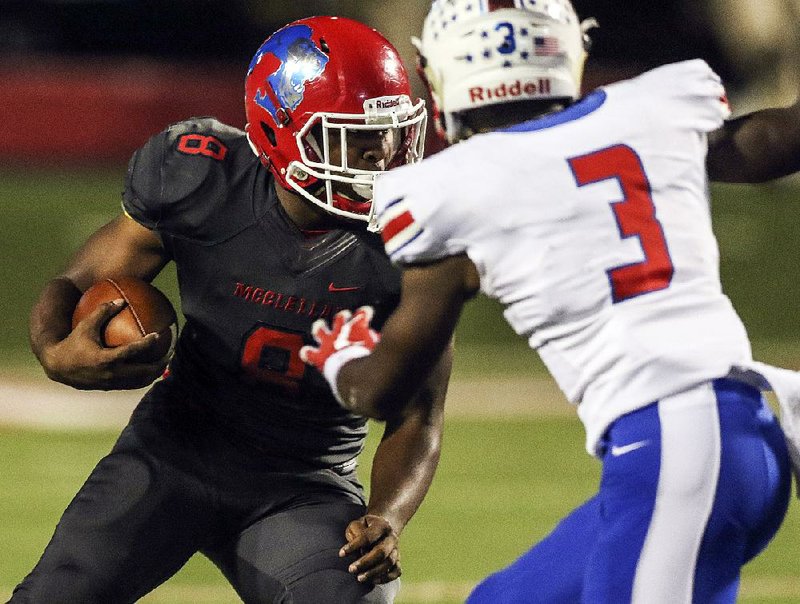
(86, 82)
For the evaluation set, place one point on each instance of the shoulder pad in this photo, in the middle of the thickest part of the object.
(689, 94)
(408, 205)
(177, 177)
(196, 128)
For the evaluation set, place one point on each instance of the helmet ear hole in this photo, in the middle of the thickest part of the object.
(269, 133)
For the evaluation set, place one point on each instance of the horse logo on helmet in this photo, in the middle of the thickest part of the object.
(301, 61)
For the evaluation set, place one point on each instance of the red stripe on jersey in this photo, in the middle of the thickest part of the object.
(396, 225)
(498, 4)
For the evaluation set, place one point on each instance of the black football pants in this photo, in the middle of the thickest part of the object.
(167, 491)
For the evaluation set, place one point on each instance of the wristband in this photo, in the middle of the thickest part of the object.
(334, 364)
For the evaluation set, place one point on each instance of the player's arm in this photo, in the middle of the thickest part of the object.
(402, 471)
(120, 248)
(756, 147)
(382, 384)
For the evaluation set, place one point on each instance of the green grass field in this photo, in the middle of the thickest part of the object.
(501, 484)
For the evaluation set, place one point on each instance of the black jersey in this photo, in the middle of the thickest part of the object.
(251, 285)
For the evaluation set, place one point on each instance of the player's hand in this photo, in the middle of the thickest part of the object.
(80, 360)
(374, 540)
(346, 331)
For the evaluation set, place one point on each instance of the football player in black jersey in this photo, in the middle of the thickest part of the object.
(240, 452)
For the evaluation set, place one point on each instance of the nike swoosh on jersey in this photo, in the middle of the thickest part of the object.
(333, 288)
(616, 451)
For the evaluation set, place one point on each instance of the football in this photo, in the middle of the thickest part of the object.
(147, 310)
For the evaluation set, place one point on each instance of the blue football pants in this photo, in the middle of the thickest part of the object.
(693, 486)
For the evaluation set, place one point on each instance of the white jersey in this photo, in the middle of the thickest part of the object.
(592, 227)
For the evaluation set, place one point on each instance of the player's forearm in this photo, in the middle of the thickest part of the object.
(382, 383)
(51, 316)
(389, 383)
(757, 147)
(377, 388)
(402, 470)
(405, 462)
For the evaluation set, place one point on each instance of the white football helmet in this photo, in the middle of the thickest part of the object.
(475, 53)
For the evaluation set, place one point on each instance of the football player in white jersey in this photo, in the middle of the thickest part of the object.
(588, 218)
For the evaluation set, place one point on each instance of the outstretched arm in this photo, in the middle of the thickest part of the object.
(756, 147)
(77, 358)
(402, 471)
(382, 384)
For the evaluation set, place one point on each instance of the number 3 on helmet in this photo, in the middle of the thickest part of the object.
(313, 88)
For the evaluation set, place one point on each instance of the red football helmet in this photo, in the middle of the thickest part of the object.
(314, 88)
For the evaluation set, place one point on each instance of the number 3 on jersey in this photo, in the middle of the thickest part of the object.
(636, 217)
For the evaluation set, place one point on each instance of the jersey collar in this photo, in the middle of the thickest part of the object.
(584, 107)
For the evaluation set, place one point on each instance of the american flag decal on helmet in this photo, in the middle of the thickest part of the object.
(546, 46)
(399, 227)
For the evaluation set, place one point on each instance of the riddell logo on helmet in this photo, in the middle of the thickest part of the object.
(479, 94)
(387, 103)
